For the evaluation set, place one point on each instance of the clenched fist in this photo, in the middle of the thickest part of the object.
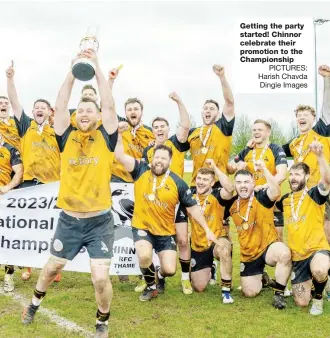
(174, 96)
(219, 70)
(324, 71)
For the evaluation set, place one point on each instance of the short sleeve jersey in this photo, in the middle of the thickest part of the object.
(40, 152)
(178, 149)
(298, 148)
(218, 145)
(85, 179)
(213, 213)
(273, 156)
(158, 216)
(133, 146)
(260, 231)
(306, 233)
(9, 133)
(9, 157)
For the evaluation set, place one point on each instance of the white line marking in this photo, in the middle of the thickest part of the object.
(51, 314)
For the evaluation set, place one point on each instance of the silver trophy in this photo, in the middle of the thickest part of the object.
(83, 69)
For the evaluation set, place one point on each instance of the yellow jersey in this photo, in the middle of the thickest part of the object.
(158, 215)
(298, 148)
(273, 156)
(9, 157)
(218, 145)
(213, 213)
(85, 178)
(40, 152)
(259, 231)
(9, 133)
(305, 230)
(133, 146)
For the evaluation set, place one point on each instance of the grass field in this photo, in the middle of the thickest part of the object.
(170, 315)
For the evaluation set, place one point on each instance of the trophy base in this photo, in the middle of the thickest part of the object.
(83, 70)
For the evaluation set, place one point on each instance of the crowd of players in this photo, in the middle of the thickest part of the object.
(87, 147)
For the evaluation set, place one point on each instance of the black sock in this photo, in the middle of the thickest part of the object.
(279, 289)
(102, 317)
(9, 269)
(185, 264)
(149, 275)
(225, 285)
(319, 287)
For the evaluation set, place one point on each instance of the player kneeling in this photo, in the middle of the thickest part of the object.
(253, 214)
(211, 204)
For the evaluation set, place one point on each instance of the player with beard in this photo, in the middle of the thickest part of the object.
(157, 191)
(84, 195)
(273, 156)
(8, 127)
(177, 142)
(40, 152)
(299, 149)
(252, 213)
(135, 139)
(303, 214)
(212, 205)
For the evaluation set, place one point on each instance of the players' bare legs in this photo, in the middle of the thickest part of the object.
(200, 279)
(184, 255)
(46, 277)
(103, 288)
(144, 253)
(251, 285)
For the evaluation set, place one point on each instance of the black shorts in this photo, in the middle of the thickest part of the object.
(202, 259)
(255, 267)
(301, 271)
(278, 219)
(159, 243)
(96, 234)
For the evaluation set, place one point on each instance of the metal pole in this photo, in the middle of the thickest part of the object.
(315, 70)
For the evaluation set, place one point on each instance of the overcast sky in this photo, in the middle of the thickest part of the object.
(164, 47)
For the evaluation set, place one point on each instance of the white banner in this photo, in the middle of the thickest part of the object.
(28, 219)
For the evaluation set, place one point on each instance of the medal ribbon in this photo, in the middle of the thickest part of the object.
(202, 207)
(162, 183)
(134, 129)
(260, 157)
(295, 214)
(299, 149)
(246, 217)
(208, 133)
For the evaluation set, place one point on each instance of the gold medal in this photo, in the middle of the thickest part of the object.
(151, 197)
(204, 150)
(245, 225)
